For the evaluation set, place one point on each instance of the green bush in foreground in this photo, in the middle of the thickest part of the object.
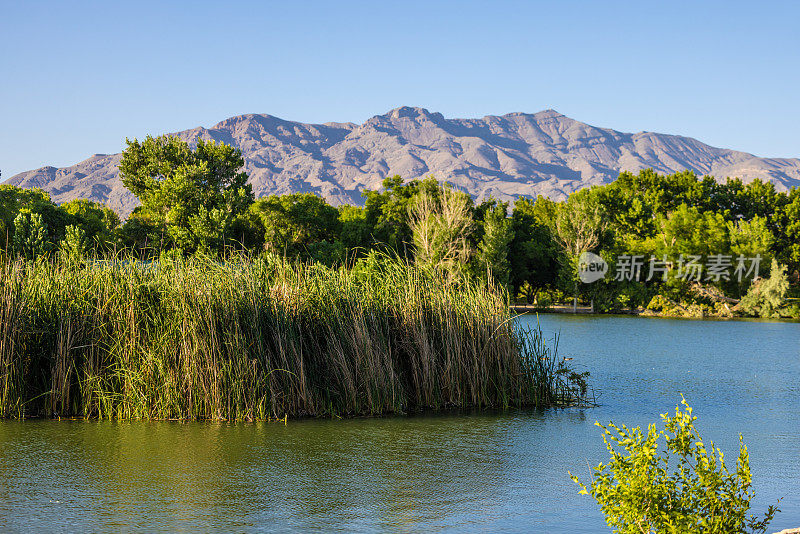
(686, 489)
(261, 338)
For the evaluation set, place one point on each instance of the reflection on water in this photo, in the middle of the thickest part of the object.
(462, 472)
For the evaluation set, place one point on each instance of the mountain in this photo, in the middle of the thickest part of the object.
(504, 157)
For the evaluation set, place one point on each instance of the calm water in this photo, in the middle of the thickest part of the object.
(483, 472)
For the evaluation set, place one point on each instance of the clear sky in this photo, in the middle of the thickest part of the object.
(76, 78)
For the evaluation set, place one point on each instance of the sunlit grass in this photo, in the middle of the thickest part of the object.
(257, 339)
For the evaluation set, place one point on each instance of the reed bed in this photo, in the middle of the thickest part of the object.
(255, 339)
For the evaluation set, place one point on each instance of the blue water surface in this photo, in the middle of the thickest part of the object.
(484, 472)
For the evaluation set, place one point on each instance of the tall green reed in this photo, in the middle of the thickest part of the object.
(261, 338)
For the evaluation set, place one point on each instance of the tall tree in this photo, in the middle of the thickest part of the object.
(494, 246)
(579, 225)
(387, 212)
(194, 195)
(533, 254)
(440, 228)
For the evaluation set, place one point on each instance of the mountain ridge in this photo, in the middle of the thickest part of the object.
(505, 156)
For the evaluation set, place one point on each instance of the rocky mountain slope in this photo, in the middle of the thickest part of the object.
(504, 157)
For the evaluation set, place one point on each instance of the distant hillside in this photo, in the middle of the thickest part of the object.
(505, 157)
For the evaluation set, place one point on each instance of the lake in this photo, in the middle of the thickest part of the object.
(483, 472)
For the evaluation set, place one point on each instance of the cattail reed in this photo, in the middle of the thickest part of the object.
(260, 338)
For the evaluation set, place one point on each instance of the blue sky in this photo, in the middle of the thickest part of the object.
(77, 79)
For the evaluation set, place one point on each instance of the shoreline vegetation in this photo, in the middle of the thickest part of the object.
(209, 303)
(678, 245)
(262, 338)
(696, 312)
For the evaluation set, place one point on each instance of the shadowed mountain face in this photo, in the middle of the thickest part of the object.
(505, 157)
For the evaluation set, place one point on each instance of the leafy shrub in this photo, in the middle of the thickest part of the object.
(686, 488)
(73, 247)
(30, 235)
(659, 303)
(766, 296)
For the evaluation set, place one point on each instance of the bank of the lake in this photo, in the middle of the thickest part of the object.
(480, 472)
(688, 312)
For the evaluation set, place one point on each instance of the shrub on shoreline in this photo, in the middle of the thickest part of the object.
(685, 487)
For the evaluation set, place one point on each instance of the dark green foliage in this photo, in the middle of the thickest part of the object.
(633, 200)
(669, 216)
(533, 253)
(787, 246)
(356, 232)
(296, 225)
(493, 249)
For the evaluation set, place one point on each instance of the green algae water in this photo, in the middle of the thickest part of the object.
(481, 472)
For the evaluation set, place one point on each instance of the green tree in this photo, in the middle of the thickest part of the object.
(30, 235)
(356, 232)
(293, 224)
(688, 230)
(388, 211)
(97, 221)
(750, 238)
(16, 200)
(533, 253)
(745, 201)
(193, 195)
(685, 488)
(579, 223)
(578, 226)
(634, 200)
(494, 246)
(788, 233)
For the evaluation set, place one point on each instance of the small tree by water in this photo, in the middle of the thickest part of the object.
(685, 488)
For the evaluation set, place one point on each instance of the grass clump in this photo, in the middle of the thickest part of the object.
(258, 338)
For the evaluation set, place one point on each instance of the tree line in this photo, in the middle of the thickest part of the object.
(197, 201)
